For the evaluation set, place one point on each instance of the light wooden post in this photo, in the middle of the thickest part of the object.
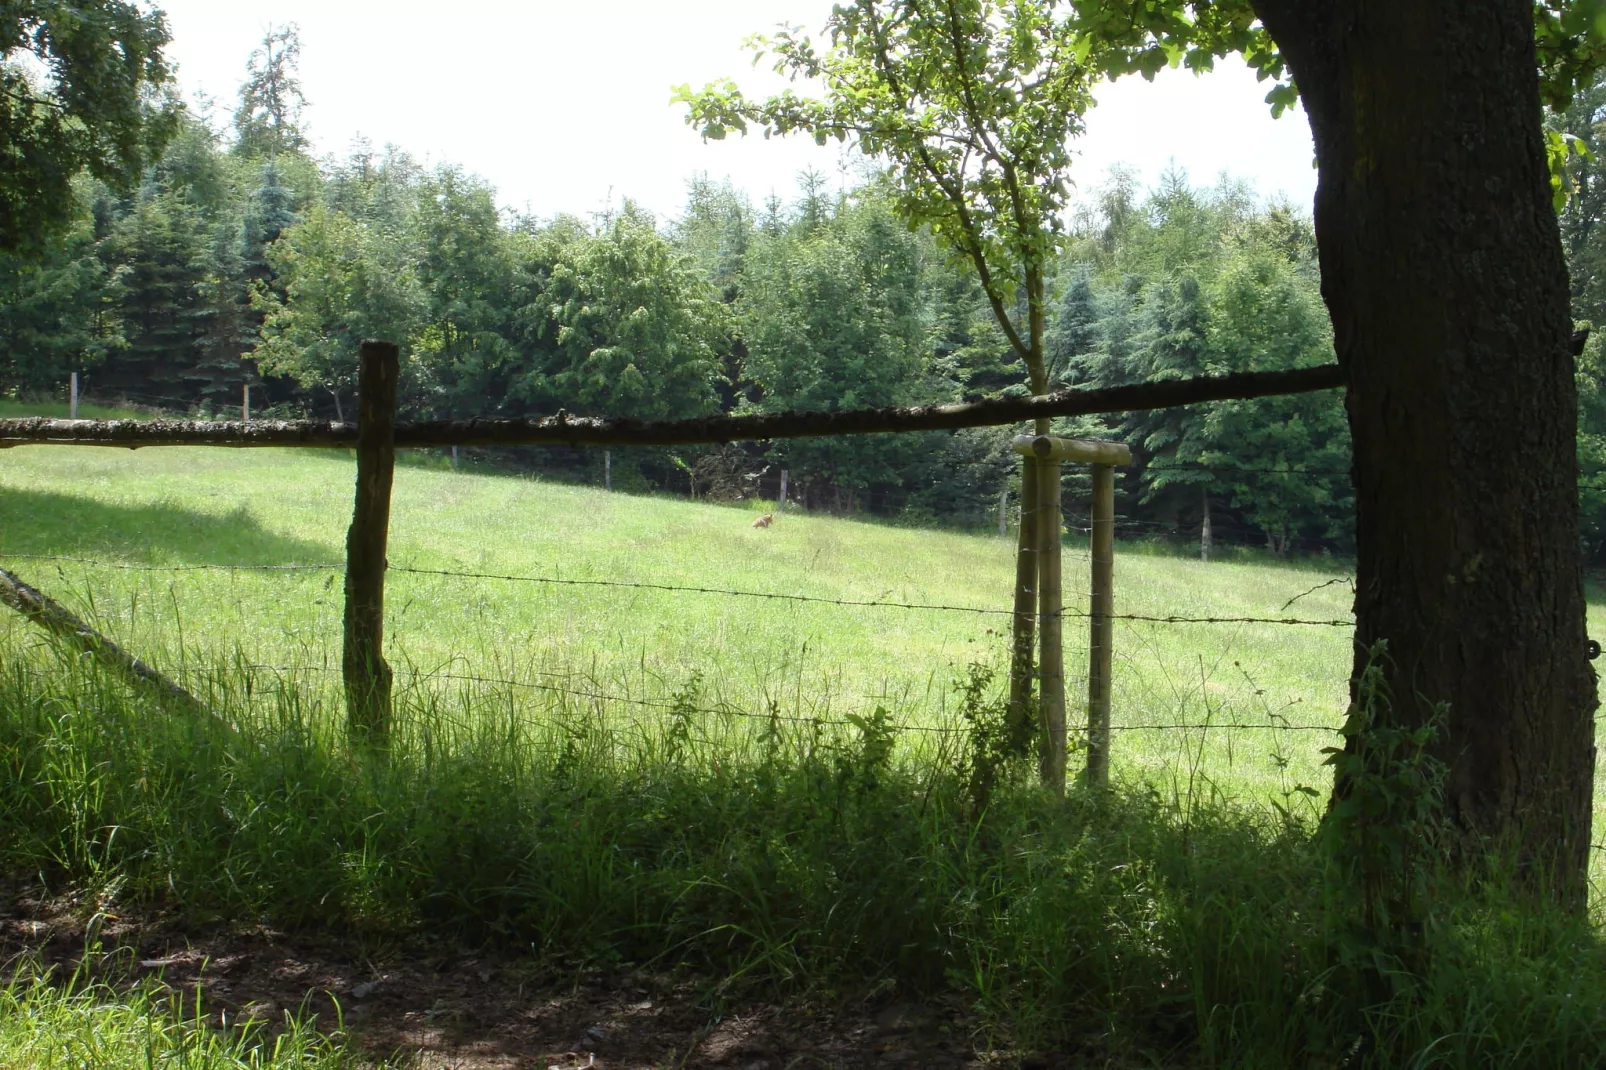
(780, 507)
(1205, 539)
(1023, 626)
(72, 404)
(1048, 452)
(1100, 646)
(607, 469)
(454, 458)
(1050, 625)
(1003, 511)
(245, 404)
(367, 677)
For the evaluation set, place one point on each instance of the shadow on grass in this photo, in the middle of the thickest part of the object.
(46, 522)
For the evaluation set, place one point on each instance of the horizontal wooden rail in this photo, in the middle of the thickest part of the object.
(602, 431)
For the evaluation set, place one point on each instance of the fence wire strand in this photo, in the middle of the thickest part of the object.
(780, 596)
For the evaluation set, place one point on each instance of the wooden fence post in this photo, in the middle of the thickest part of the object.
(454, 458)
(1050, 624)
(1023, 626)
(1100, 638)
(607, 469)
(1003, 511)
(1048, 453)
(780, 506)
(367, 677)
(73, 404)
(245, 404)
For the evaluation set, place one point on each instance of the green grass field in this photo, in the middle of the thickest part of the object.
(638, 774)
(196, 507)
(637, 647)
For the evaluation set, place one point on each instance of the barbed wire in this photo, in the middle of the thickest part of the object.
(131, 567)
(598, 696)
(726, 710)
(935, 607)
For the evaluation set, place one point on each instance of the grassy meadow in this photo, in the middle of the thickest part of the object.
(700, 781)
(189, 507)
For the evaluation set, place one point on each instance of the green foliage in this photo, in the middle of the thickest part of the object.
(618, 322)
(465, 271)
(1200, 282)
(55, 310)
(997, 741)
(834, 314)
(160, 248)
(80, 90)
(342, 282)
(1384, 832)
(1145, 36)
(971, 103)
(267, 121)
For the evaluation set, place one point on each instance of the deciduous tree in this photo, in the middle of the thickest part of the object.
(971, 104)
(1443, 274)
(80, 86)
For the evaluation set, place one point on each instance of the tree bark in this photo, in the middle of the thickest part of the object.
(1443, 272)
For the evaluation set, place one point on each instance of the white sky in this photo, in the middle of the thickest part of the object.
(562, 104)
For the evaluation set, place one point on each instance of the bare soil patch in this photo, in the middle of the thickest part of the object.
(448, 1008)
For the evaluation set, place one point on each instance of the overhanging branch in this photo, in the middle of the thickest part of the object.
(602, 431)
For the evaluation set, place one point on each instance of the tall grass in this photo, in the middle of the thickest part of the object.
(49, 1023)
(1142, 926)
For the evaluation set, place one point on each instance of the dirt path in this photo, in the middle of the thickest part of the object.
(444, 1009)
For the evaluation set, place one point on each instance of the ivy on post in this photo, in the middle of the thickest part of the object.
(367, 676)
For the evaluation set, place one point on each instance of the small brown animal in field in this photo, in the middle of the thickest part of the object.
(764, 521)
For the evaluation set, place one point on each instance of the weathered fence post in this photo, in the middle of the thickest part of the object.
(454, 458)
(367, 677)
(1047, 454)
(245, 404)
(1100, 647)
(607, 469)
(1023, 629)
(1003, 511)
(780, 507)
(72, 409)
(1204, 528)
(1050, 624)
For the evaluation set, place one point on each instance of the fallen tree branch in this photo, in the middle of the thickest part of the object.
(61, 622)
(603, 431)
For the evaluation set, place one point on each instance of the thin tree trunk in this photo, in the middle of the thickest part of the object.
(1443, 272)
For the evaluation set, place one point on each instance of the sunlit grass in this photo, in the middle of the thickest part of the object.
(71, 1024)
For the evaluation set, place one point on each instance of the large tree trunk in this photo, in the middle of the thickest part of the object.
(1443, 272)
